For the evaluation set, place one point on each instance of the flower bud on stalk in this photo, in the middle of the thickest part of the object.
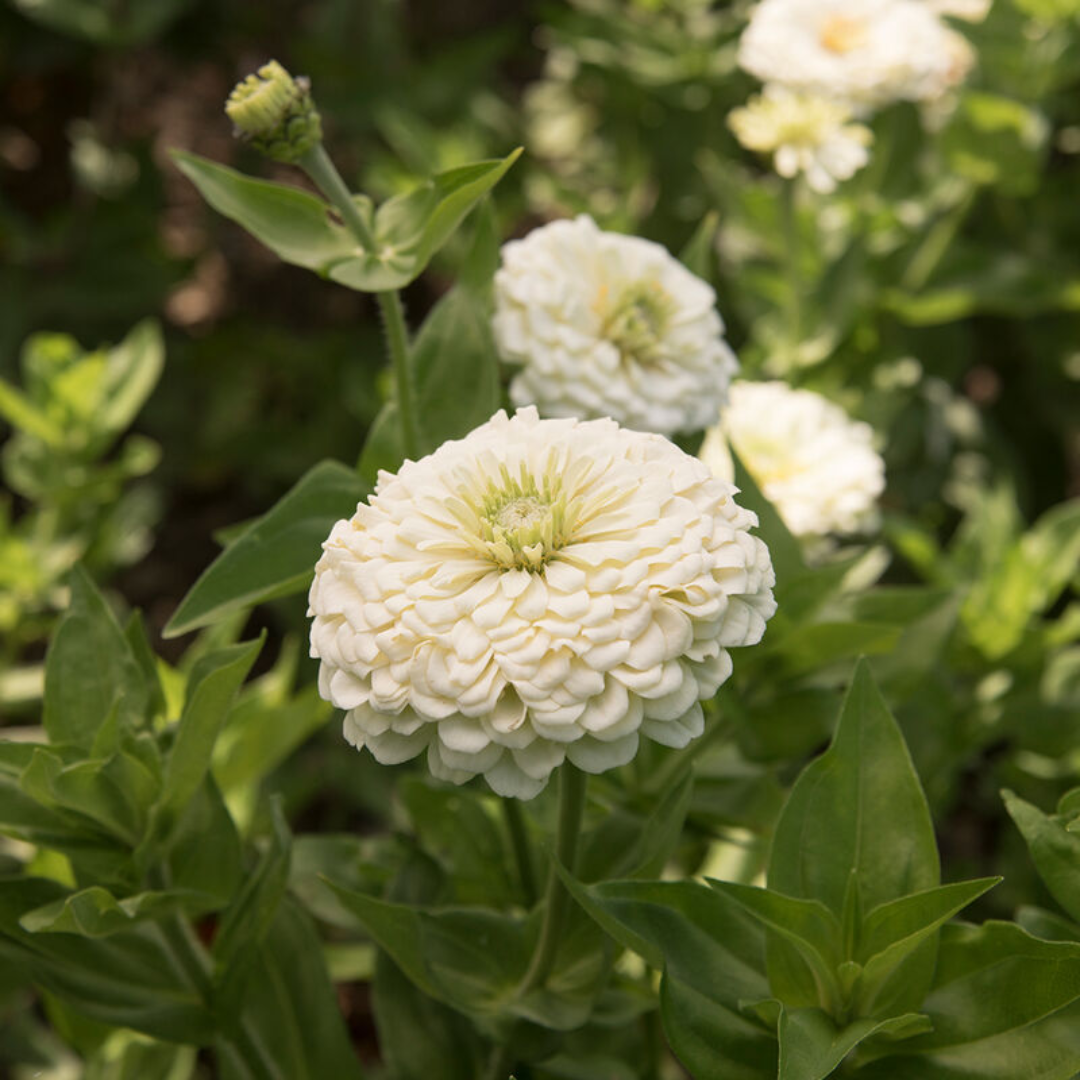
(276, 113)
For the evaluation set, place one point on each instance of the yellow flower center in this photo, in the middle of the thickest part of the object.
(637, 322)
(842, 34)
(523, 524)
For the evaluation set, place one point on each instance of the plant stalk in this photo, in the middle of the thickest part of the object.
(790, 215)
(324, 174)
(519, 842)
(572, 784)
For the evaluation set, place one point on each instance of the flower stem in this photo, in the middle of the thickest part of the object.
(323, 172)
(500, 1064)
(790, 212)
(397, 340)
(572, 783)
(519, 842)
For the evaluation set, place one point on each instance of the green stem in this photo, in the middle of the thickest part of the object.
(790, 214)
(936, 243)
(572, 784)
(397, 340)
(519, 842)
(500, 1064)
(324, 174)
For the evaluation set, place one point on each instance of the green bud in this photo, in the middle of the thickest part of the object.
(276, 113)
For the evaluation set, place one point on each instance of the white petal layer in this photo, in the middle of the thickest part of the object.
(554, 297)
(430, 644)
(815, 464)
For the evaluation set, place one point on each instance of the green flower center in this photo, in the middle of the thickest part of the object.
(638, 320)
(523, 524)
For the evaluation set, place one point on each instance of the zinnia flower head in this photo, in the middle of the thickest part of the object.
(608, 325)
(539, 591)
(865, 52)
(804, 133)
(815, 464)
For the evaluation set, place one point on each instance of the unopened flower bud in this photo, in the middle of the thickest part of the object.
(276, 113)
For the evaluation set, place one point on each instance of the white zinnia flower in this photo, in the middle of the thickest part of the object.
(815, 464)
(968, 10)
(804, 133)
(610, 325)
(866, 52)
(540, 590)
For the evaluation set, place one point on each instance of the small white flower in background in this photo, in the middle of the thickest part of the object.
(815, 464)
(805, 134)
(608, 325)
(539, 591)
(865, 52)
(968, 10)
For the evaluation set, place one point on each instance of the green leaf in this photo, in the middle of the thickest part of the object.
(859, 807)
(296, 226)
(996, 1008)
(204, 851)
(258, 736)
(212, 688)
(993, 140)
(276, 555)
(449, 1048)
(246, 922)
(89, 668)
(410, 228)
(127, 980)
(95, 912)
(697, 256)
(784, 549)
(132, 370)
(21, 413)
(470, 959)
(714, 1041)
(290, 1010)
(811, 1045)
(1054, 849)
(808, 925)
(701, 937)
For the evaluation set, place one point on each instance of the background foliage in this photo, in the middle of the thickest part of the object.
(167, 379)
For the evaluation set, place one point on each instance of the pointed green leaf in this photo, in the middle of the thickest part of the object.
(89, 668)
(23, 415)
(128, 979)
(247, 920)
(212, 687)
(714, 1041)
(784, 549)
(410, 228)
(857, 807)
(811, 1045)
(702, 937)
(892, 931)
(95, 912)
(807, 924)
(697, 256)
(296, 226)
(470, 959)
(276, 555)
(1004, 1006)
(132, 370)
(290, 1010)
(1055, 851)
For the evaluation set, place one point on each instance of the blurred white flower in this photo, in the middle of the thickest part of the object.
(969, 10)
(814, 463)
(866, 52)
(610, 325)
(540, 590)
(804, 133)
